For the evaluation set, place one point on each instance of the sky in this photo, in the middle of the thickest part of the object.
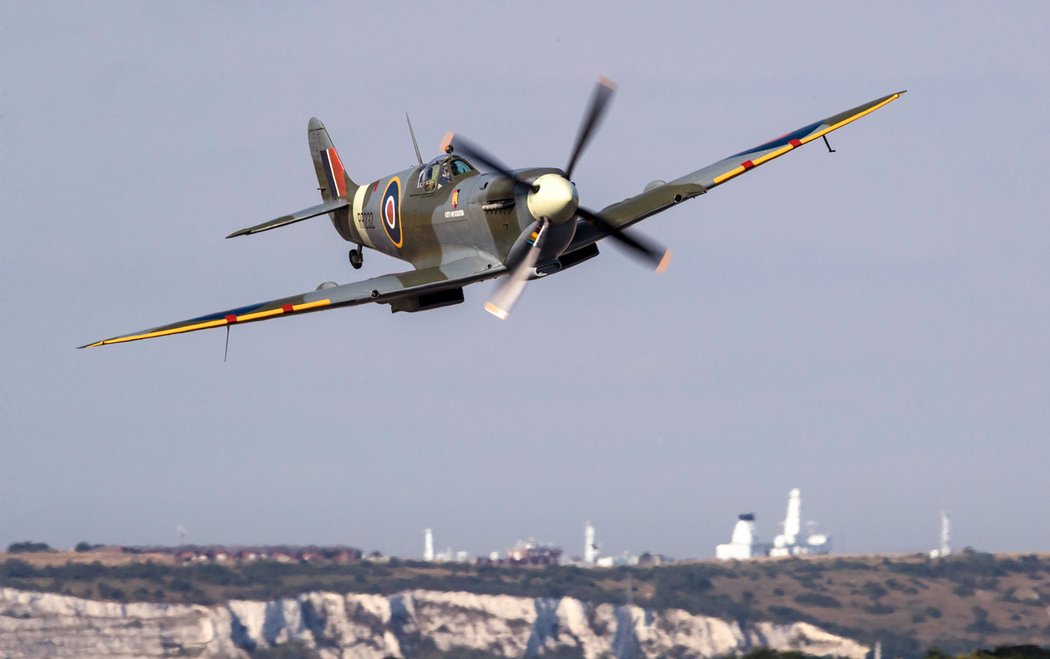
(869, 325)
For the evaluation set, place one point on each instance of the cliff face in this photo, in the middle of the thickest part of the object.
(366, 626)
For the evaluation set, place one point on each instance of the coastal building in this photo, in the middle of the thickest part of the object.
(945, 548)
(744, 543)
(792, 542)
(590, 549)
(532, 553)
(428, 545)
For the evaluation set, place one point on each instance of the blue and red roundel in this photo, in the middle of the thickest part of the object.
(390, 211)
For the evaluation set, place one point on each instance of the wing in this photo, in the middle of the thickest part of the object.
(385, 289)
(654, 200)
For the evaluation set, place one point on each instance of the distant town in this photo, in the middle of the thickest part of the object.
(744, 544)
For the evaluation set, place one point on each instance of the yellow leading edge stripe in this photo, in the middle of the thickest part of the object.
(815, 136)
(213, 323)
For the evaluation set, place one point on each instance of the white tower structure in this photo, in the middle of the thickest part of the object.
(945, 548)
(428, 545)
(793, 519)
(743, 544)
(946, 534)
(792, 542)
(590, 550)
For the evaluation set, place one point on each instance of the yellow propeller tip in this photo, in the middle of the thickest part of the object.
(664, 262)
(447, 141)
(496, 311)
(606, 82)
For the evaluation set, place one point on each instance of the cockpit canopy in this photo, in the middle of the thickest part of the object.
(441, 171)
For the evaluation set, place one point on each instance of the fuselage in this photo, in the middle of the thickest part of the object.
(440, 211)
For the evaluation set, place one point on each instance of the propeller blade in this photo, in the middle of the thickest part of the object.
(653, 254)
(599, 101)
(476, 153)
(447, 141)
(508, 292)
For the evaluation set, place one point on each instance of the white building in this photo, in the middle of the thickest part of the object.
(428, 545)
(590, 550)
(744, 543)
(945, 548)
(792, 542)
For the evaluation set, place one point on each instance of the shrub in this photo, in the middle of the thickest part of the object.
(989, 583)
(878, 609)
(108, 592)
(1016, 652)
(16, 569)
(787, 614)
(27, 547)
(874, 590)
(966, 588)
(180, 585)
(818, 599)
(83, 571)
(981, 624)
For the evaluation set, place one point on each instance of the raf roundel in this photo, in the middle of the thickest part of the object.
(391, 210)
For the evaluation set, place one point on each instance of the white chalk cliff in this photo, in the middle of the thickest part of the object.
(366, 626)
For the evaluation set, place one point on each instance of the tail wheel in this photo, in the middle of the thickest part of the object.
(357, 258)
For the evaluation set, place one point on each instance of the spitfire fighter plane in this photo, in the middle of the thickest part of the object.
(457, 226)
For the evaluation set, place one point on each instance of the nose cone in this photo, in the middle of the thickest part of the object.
(555, 198)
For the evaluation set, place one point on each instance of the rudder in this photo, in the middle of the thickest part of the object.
(332, 178)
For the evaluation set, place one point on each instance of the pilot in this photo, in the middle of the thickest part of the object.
(440, 172)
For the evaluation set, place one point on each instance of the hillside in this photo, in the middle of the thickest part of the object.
(909, 603)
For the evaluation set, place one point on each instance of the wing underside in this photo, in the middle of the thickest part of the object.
(384, 289)
(637, 208)
(735, 165)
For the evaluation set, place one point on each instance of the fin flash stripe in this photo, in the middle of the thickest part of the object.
(334, 172)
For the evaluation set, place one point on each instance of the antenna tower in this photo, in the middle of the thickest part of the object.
(946, 534)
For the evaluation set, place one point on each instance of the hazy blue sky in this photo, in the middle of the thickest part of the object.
(871, 325)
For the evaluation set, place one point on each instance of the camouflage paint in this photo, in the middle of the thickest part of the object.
(454, 243)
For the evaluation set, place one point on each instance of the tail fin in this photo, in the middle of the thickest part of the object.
(332, 179)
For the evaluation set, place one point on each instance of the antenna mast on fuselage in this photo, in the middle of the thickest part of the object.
(415, 145)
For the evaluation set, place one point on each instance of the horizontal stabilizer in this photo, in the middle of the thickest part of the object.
(298, 216)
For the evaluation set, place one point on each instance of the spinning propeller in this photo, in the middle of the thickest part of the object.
(552, 200)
